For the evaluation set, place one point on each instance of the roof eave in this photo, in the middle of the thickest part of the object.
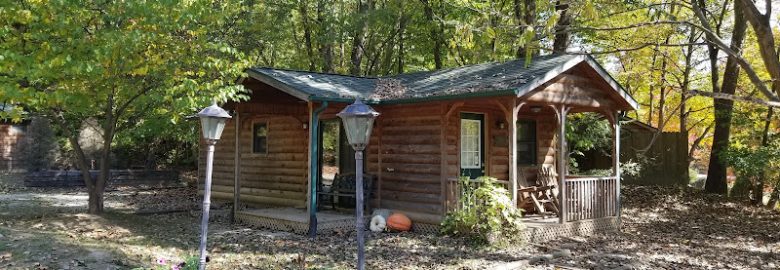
(279, 85)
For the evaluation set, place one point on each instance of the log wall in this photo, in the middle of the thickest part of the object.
(277, 178)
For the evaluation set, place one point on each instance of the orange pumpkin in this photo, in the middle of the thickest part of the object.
(399, 222)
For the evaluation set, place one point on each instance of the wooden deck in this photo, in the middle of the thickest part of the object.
(539, 229)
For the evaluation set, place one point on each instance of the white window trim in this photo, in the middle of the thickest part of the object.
(479, 144)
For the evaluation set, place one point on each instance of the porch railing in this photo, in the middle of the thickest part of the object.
(590, 197)
(587, 197)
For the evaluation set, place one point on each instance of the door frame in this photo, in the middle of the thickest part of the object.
(473, 172)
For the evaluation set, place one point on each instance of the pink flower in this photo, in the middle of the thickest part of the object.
(176, 267)
(162, 261)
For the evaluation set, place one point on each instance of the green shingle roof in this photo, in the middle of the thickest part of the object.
(489, 79)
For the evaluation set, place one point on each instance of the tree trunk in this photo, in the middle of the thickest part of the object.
(525, 15)
(761, 24)
(437, 32)
(326, 46)
(562, 35)
(399, 62)
(95, 203)
(717, 171)
(303, 7)
(359, 38)
(758, 190)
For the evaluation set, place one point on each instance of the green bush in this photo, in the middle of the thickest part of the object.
(485, 214)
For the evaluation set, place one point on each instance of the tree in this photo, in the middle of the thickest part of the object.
(117, 63)
(716, 172)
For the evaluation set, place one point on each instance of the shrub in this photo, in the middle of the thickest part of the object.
(485, 214)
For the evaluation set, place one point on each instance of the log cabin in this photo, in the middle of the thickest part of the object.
(504, 120)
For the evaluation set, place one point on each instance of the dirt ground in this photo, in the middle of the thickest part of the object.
(663, 228)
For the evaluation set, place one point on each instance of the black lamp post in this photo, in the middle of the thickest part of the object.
(358, 119)
(212, 121)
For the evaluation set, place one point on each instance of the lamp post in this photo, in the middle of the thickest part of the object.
(212, 121)
(358, 119)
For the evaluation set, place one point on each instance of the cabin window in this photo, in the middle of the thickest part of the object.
(526, 142)
(260, 138)
(470, 144)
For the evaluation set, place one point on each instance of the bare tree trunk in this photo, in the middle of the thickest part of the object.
(562, 36)
(716, 173)
(359, 38)
(326, 46)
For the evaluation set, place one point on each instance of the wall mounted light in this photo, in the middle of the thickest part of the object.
(536, 109)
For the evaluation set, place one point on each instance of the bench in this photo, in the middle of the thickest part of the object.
(344, 187)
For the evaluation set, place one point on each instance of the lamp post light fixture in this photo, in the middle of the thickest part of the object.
(212, 121)
(358, 119)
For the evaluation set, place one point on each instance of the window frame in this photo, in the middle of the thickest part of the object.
(479, 144)
(254, 133)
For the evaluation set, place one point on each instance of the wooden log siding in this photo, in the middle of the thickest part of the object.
(277, 178)
(409, 148)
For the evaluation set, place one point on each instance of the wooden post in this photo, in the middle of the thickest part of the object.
(512, 118)
(561, 111)
(616, 160)
(512, 125)
(379, 163)
(237, 164)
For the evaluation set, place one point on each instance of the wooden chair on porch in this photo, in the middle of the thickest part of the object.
(343, 190)
(541, 196)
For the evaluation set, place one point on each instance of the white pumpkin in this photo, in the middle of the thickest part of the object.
(377, 224)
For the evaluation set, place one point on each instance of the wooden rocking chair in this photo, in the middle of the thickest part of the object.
(541, 195)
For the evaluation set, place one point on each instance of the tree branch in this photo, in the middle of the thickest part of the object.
(769, 103)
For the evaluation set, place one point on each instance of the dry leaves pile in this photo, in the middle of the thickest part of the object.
(663, 228)
(680, 228)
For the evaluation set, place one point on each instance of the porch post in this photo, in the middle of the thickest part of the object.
(314, 147)
(561, 111)
(616, 160)
(237, 164)
(512, 119)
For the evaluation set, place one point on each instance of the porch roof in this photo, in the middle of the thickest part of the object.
(480, 80)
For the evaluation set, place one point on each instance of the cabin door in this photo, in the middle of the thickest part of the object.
(335, 154)
(472, 145)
